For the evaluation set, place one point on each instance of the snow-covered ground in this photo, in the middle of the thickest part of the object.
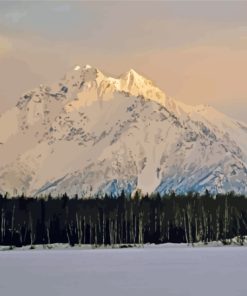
(169, 271)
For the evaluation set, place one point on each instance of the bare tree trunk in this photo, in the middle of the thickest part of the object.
(217, 224)
(2, 225)
(205, 225)
(67, 233)
(116, 229)
(135, 229)
(140, 240)
(168, 230)
(95, 233)
(20, 236)
(185, 228)
(84, 230)
(196, 229)
(126, 227)
(189, 223)
(12, 224)
(226, 219)
(32, 235)
(90, 230)
(78, 229)
(48, 235)
(103, 228)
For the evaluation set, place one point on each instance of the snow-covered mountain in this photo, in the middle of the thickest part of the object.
(90, 134)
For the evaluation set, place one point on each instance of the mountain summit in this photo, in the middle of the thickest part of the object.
(93, 134)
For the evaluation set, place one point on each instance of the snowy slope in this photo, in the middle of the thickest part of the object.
(89, 133)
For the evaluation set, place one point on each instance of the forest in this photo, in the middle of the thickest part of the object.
(122, 220)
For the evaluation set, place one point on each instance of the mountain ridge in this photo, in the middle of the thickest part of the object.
(93, 134)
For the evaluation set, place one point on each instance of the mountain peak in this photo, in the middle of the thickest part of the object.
(132, 74)
(85, 67)
(80, 73)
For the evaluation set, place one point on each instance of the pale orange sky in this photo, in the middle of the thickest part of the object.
(194, 51)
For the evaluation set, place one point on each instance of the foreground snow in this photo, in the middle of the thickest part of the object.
(137, 271)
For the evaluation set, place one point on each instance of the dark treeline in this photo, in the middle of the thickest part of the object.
(123, 220)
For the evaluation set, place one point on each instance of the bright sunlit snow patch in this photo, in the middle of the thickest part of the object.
(77, 68)
(87, 67)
